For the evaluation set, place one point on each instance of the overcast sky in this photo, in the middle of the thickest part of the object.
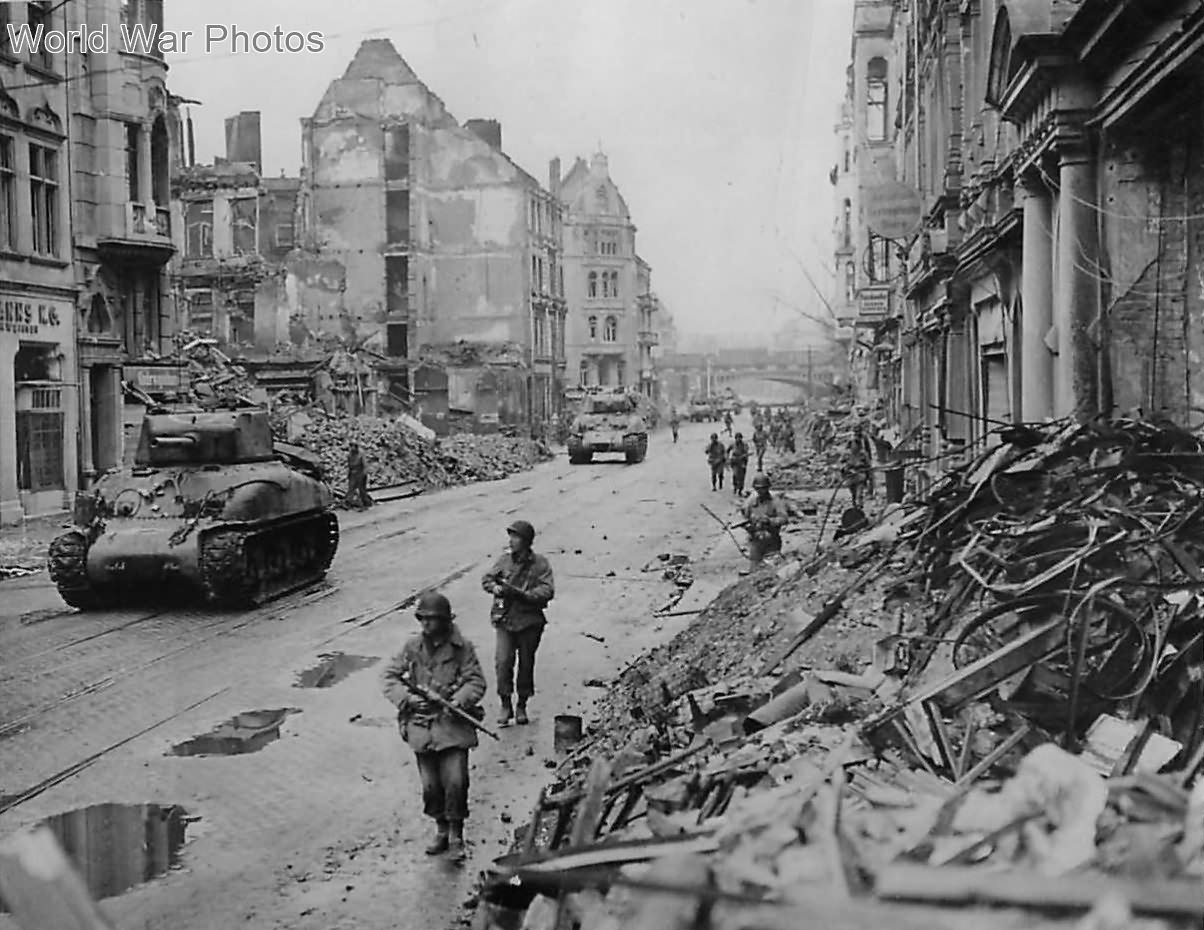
(716, 116)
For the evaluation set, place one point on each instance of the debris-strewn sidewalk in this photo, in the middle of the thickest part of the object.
(23, 547)
(987, 710)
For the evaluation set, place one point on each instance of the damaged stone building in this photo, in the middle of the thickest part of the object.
(87, 147)
(422, 242)
(611, 322)
(1055, 147)
(235, 228)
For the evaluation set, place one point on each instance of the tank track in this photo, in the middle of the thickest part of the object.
(246, 567)
(67, 561)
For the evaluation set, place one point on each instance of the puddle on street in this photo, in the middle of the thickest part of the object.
(241, 734)
(332, 668)
(117, 846)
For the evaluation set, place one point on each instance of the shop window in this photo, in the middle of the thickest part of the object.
(40, 16)
(397, 153)
(611, 333)
(44, 198)
(876, 101)
(243, 218)
(39, 450)
(198, 227)
(8, 191)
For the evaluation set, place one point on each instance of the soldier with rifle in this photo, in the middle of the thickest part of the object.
(765, 515)
(436, 684)
(522, 585)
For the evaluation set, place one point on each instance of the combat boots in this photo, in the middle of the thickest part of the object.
(455, 843)
(507, 712)
(521, 716)
(440, 843)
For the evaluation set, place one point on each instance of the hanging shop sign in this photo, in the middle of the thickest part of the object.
(873, 303)
(892, 210)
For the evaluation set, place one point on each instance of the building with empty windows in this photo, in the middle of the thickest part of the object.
(422, 242)
(604, 283)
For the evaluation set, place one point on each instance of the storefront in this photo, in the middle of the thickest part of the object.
(39, 405)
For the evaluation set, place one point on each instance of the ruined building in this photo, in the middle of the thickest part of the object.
(611, 329)
(422, 242)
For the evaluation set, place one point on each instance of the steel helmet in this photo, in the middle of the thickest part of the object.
(761, 481)
(739, 435)
(434, 604)
(523, 530)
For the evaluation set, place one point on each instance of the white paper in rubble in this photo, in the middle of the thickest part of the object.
(1110, 736)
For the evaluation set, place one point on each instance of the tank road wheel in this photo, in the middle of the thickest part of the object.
(328, 544)
(68, 564)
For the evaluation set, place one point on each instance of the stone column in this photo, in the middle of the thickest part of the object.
(87, 465)
(1036, 304)
(1077, 307)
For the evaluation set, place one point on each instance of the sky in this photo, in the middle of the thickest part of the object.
(716, 115)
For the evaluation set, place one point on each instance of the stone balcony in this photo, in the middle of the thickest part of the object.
(144, 236)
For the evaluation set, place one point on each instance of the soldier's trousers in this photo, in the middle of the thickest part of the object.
(444, 777)
(522, 646)
(738, 479)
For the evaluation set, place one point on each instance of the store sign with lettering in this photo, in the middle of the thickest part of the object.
(29, 318)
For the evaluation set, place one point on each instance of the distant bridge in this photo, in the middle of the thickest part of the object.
(755, 374)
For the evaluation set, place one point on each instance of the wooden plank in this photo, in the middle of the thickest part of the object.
(589, 811)
(1026, 888)
(977, 679)
(42, 889)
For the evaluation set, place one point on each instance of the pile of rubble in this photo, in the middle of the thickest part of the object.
(398, 453)
(808, 470)
(997, 721)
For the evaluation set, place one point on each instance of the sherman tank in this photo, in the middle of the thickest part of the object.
(608, 422)
(211, 507)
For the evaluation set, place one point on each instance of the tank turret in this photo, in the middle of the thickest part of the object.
(211, 504)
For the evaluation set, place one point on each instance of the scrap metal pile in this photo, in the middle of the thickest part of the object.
(1022, 746)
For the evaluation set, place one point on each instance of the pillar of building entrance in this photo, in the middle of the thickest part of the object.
(11, 510)
(1077, 307)
(1036, 304)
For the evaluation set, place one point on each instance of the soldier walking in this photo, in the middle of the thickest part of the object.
(674, 422)
(357, 479)
(717, 459)
(727, 422)
(442, 661)
(522, 586)
(760, 441)
(738, 459)
(766, 515)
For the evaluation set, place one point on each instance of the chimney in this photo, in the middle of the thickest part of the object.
(554, 177)
(191, 141)
(243, 139)
(488, 130)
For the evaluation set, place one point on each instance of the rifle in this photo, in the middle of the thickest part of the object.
(432, 698)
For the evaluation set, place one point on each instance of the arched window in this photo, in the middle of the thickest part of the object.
(999, 68)
(614, 284)
(593, 284)
(593, 327)
(876, 101)
(850, 283)
(611, 333)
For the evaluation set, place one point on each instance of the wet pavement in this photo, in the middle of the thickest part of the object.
(333, 668)
(320, 826)
(241, 734)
